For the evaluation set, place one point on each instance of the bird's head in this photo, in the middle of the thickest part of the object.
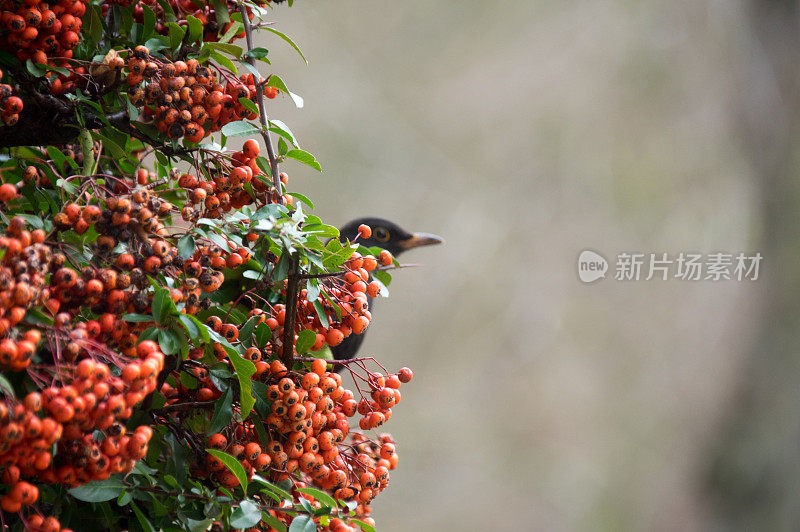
(387, 235)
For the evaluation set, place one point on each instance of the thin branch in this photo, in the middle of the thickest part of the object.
(262, 113)
(292, 286)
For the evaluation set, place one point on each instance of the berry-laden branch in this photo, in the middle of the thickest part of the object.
(155, 288)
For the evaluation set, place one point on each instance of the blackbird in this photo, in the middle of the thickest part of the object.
(385, 235)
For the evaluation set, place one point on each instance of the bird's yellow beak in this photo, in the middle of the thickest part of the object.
(420, 239)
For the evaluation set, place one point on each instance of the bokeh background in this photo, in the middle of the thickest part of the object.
(523, 132)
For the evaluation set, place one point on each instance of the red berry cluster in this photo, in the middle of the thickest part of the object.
(11, 105)
(25, 264)
(83, 398)
(41, 31)
(349, 293)
(224, 187)
(184, 99)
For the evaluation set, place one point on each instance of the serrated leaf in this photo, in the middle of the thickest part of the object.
(233, 464)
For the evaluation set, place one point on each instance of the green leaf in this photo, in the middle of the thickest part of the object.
(221, 12)
(246, 515)
(302, 523)
(364, 526)
(257, 53)
(176, 34)
(154, 45)
(277, 82)
(168, 11)
(288, 40)
(323, 317)
(321, 496)
(305, 340)
(305, 158)
(34, 70)
(235, 28)
(191, 327)
(160, 304)
(244, 370)
(188, 381)
(283, 148)
(224, 61)
(199, 526)
(59, 158)
(272, 487)
(143, 521)
(230, 49)
(149, 22)
(94, 28)
(169, 342)
(305, 200)
(99, 491)
(248, 104)
(5, 387)
(137, 318)
(186, 246)
(263, 334)
(223, 412)
(240, 128)
(195, 328)
(195, 28)
(246, 331)
(233, 464)
(276, 126)
(273, 521)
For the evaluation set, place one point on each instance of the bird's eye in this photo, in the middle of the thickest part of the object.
(381, 234)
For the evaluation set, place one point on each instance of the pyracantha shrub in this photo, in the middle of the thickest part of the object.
(167, 308)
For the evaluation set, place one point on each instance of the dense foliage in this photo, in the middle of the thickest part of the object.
(166, 307)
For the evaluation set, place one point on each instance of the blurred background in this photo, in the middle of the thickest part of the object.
(524, 132)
